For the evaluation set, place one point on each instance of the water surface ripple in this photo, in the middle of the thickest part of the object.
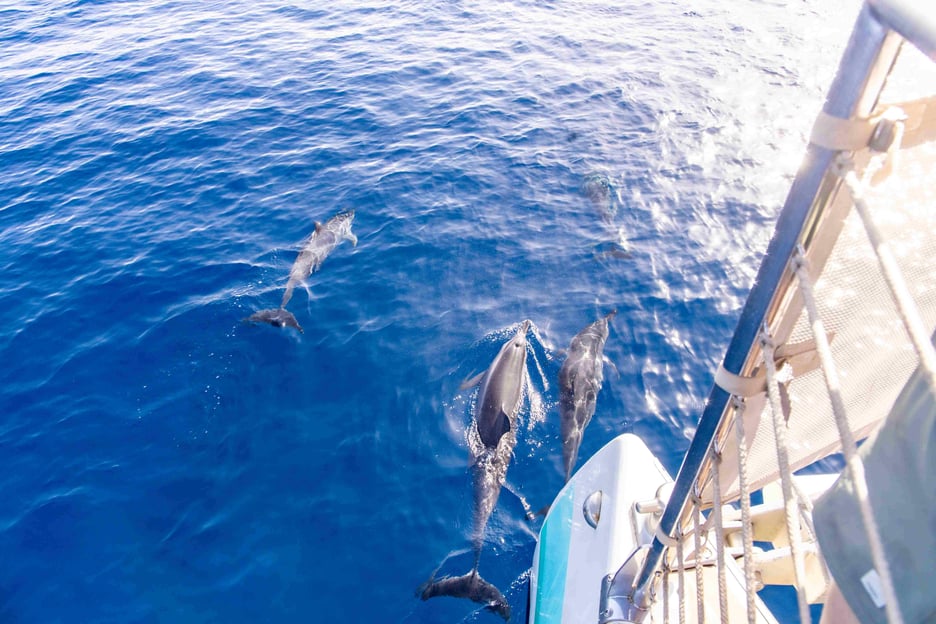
(161, 162)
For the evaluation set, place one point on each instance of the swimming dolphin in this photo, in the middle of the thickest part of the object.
(496, 411)
(491, 442)
(470, 586)
(277, 317)
(580, 380)
(598, 188)
(320, 243)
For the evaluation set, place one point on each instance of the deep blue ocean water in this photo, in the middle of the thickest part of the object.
(161, 163)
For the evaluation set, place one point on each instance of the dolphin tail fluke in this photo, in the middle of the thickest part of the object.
(470, 586)
(277, 317)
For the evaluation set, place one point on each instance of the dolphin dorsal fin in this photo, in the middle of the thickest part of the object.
(318, 226)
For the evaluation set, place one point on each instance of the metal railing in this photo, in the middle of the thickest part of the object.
(879, 30)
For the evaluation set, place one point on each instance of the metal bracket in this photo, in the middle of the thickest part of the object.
(617, 601)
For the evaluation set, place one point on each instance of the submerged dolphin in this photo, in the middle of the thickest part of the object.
(605, 197)
(470, 586)
(598, 188)
(580, 380)
(496, 409)
(321, 243)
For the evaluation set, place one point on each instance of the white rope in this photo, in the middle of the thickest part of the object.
(852, 461)
(719, 537)
(666, 574)
(747, 531)
(697, 537)
(786, 477)
(806, 515)
(652, 613)
(681, 588)
(805, 504)
(909, 313)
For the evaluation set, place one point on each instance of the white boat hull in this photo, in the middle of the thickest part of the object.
(572, 557)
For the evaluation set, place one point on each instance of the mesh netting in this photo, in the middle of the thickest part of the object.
(871, 348)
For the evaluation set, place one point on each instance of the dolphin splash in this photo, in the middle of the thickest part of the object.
(491, 441)
(318, 246)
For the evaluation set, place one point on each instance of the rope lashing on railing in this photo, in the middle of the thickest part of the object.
(697, 542)
(681, 588)
(666, 575)
(806, 515)
(849, 449)
(909, 312)
(786, 476)
(747, 531)
(719, 535)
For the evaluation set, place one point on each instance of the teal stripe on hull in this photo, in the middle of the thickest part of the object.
(553, 560)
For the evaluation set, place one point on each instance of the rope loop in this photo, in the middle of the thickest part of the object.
(800, 261)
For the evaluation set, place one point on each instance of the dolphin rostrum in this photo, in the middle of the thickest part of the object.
(491, 441)
(580, 381)
(319, 244)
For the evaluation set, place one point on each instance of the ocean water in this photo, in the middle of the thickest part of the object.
(162, 162)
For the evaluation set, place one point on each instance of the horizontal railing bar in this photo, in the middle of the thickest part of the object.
(911, 19)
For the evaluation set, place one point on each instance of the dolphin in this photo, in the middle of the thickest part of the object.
(580, 381)
(498, 403)
(319, 244)
(470, 586)
(491, 441)
(277, 317)
(598, 188)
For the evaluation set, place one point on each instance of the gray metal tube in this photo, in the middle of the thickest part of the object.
(911, 19)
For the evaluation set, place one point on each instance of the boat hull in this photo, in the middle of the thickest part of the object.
(572, 556)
